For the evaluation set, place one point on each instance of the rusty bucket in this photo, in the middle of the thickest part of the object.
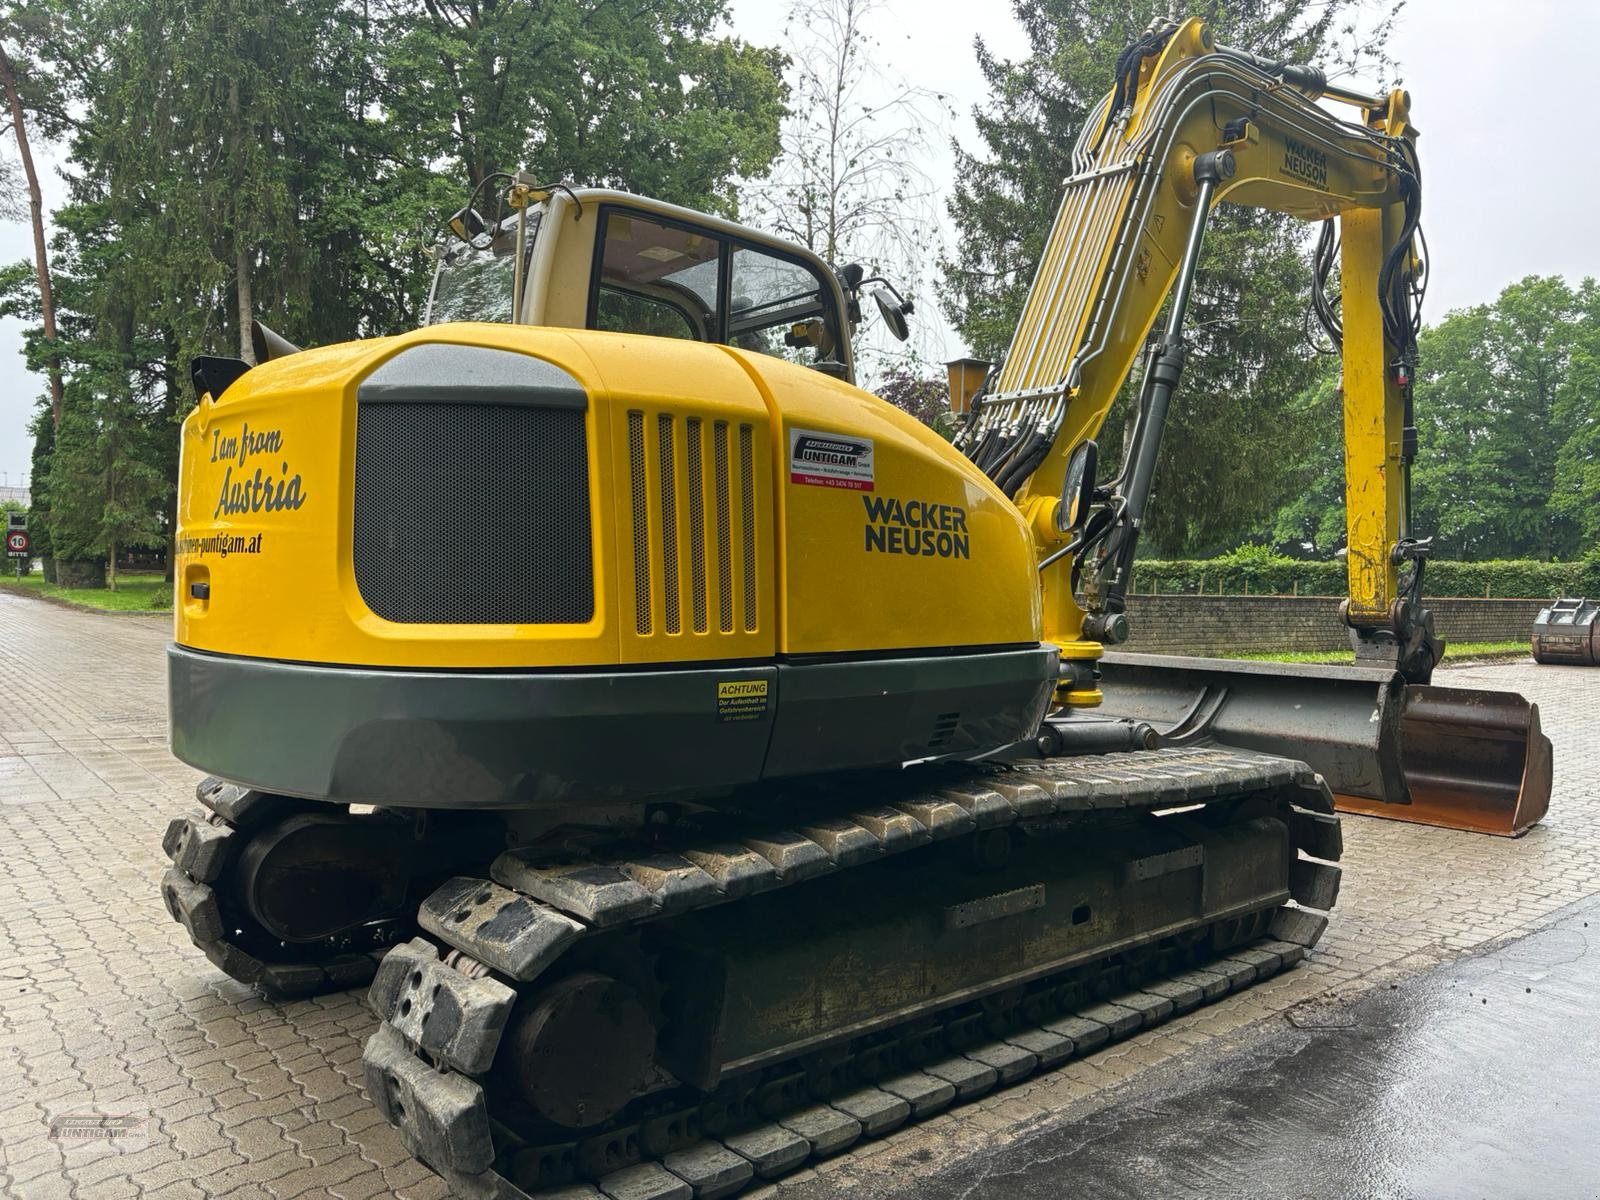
(1455, 757)
(1568, 631)
(1472, 760)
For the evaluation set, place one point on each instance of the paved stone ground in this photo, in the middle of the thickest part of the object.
(104, 1002)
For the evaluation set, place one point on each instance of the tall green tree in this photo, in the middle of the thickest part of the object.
(1223, 473)
(1575, 497)
(33, 100)
(1508, 418)
(291, 163)
(1486, 397)
(1311, 522)
(645, 97)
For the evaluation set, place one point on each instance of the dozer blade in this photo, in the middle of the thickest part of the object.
(1453, 757)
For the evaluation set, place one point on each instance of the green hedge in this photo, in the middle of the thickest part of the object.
(1268, 574)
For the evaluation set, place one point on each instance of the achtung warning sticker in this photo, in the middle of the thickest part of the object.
(836, 460)
(741, 699)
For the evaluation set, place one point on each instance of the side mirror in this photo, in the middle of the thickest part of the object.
(893, 311)
(466, 224)
(1077, 489)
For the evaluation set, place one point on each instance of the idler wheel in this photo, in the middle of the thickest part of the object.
(583, 1048)
(319, 874)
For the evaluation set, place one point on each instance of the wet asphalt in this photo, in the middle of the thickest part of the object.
(1478, 1079)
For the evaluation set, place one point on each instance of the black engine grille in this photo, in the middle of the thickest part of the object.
(473, 513)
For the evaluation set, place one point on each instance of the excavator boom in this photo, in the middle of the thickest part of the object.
(1188, 124)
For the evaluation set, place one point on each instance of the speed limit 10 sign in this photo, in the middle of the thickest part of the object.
(17, 542)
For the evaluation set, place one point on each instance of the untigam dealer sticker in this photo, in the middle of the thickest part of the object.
(836, 460)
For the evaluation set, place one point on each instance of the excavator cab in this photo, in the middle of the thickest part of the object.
(589, 258)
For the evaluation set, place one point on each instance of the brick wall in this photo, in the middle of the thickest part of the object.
(1263, 624)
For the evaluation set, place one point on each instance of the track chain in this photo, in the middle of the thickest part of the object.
(537, 902)
(532, 909)
(202, 846)
(676, 1163)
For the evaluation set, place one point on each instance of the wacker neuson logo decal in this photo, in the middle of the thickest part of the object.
(837, 460)
(916, 527)
(1305, 162)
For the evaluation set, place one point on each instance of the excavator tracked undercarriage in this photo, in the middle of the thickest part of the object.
(732, 997)
(706, 765)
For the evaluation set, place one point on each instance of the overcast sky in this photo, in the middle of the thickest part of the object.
(1500, 90)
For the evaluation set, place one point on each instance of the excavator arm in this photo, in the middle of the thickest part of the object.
(1187, 125)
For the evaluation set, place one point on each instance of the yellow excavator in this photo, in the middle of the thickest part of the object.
(708, 765)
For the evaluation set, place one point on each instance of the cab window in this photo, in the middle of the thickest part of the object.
(779, 306)
(667, 280)
(622, 311)
(472, 281)
(658, 279)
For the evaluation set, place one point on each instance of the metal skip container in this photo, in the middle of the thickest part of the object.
(1568, 631)
(1454, 757)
